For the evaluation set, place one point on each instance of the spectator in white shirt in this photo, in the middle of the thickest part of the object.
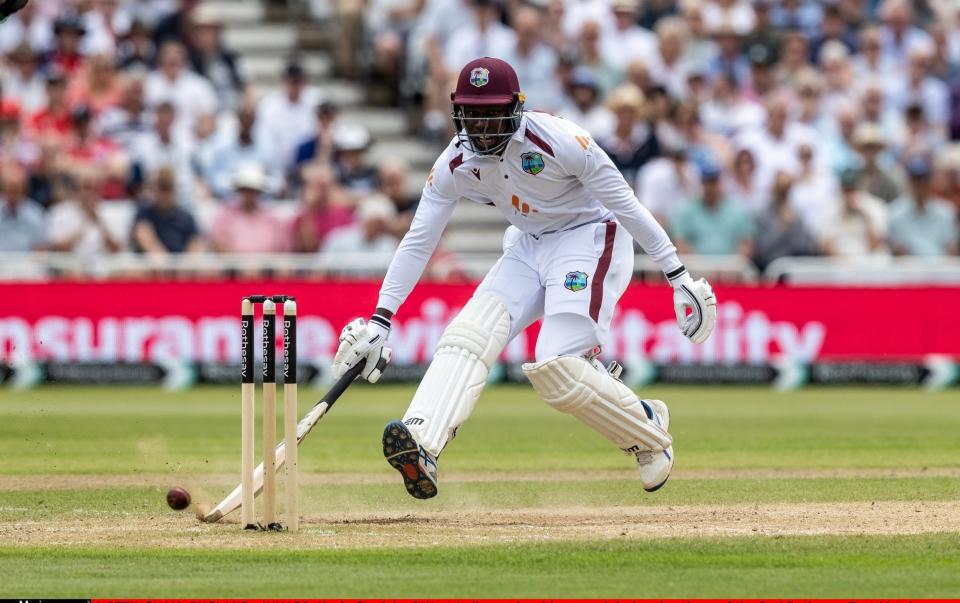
(286, 117)
(856, 226)
(31, 26)
(371, 234)
(483, 36)
(899, 34)
(737, 15)
(165, 146)
(626, 41)
(920, 88)
(22, 221)
(534, 62)
(582, 106)
(814, 193)
(24, 82)
(666, 182)
(668, 65)
(774, 146)
(172, 82)
(80, 226)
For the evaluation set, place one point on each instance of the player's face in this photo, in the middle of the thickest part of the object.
(486, 125)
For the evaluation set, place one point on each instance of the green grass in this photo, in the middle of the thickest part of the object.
(185, 436)
(732, 567)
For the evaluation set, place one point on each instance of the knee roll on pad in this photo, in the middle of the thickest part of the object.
(449, 390)
(571, 384)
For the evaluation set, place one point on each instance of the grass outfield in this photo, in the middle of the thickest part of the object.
(824, 492)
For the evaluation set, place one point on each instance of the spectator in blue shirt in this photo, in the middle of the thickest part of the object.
(920, 223)
(714, 224)
(161, 226)
(23, 224)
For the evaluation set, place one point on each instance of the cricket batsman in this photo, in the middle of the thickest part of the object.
(567, 257)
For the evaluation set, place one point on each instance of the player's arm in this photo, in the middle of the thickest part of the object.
(364, 340)
(694, 301)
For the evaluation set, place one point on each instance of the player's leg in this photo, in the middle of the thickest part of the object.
(508, 299)
(568, 376)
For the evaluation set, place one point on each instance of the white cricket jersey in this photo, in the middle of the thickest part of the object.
(550, 177)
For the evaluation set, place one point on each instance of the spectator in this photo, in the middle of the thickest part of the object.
(832, 29)
(54, 120)
(160, 226)
(729, 58)
(626, 41)
(24, 82)
(742, 186)
(65, 55)
(633, 142)
(14, 146)
(794, 59)
(80, 226)
(734, 15)
(350, 143)
(99, 88)
(285, 118)
(242, 150)
(814, 189)
(319, 147)
(372, 233)
(482, 36)
(878, 168)
(176, 25)
(780, 232)
(667, 65)
(712, 224)
(166, 147)
(324, 209)
(86, 147)
(172, 82)
(856, 226)
(245, 226)
(729, 111)
(137, 52)
(899, 35)
(210, 59)
(582, 106)
(946, 176)
(775, 145)
(665, 182)
(128, 121)
(799, 15)
(763, 77)
(22, 221)
(920, 223)
(392, 186)
(534, 62)
(869, 63)
(921, 88)
(765, 35)
(28, 26)
(106, 21)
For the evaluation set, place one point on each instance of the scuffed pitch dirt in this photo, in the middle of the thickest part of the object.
(375, 530)
(74, 482)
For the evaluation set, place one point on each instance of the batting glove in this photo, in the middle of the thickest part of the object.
(695, 306)
(360, 340)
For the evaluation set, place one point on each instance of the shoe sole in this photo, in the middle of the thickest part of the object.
(403, 454)
(658, 486)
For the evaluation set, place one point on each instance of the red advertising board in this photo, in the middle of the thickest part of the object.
(153, 322)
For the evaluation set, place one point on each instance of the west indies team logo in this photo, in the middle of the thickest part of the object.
(575, 281)
(532, 163)
(480, 77)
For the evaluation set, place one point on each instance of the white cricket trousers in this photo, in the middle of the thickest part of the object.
(572, 278)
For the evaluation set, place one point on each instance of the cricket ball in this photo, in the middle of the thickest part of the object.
(178, 498)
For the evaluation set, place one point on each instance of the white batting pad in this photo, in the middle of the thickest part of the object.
(449, 390)
(574, 386)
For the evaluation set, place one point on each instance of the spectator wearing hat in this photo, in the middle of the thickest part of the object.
(625, 41)
(287, 117)
(160, 226)
(99, 88)
(534, 61)
(80, 225)
(243, 149)
(245, 226)
(355, 174)
(208, 57)
(668, 180)
(87, 147)
(323, 209)
(65, 55)
(779, 230)
(372, 233)
(23, 224)
(712, 224)
(14, 146)
(27, 26)
(24, 82)
(878, 171)
(319, 147)
(172, 82)
(922, 224)
(582, 104)
(633, 141)
(856, 225)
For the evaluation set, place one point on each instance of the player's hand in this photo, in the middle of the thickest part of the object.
(360, 341)
(696, 308)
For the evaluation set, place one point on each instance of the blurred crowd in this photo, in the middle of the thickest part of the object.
(110, 104)
(760, 128)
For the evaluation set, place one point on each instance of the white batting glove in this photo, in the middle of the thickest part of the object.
(696, 308)
(362, 341)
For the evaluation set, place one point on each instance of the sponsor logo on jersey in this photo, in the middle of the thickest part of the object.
(476, 173)
(532, 163)
(575, 281)
(480, 77)
(413, 421)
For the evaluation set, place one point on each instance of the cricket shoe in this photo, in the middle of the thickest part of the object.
(417, 466)
(655, 466)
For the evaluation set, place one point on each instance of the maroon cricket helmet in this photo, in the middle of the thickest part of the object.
(487, 82)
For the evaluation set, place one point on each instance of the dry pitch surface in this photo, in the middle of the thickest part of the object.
(837, 468)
